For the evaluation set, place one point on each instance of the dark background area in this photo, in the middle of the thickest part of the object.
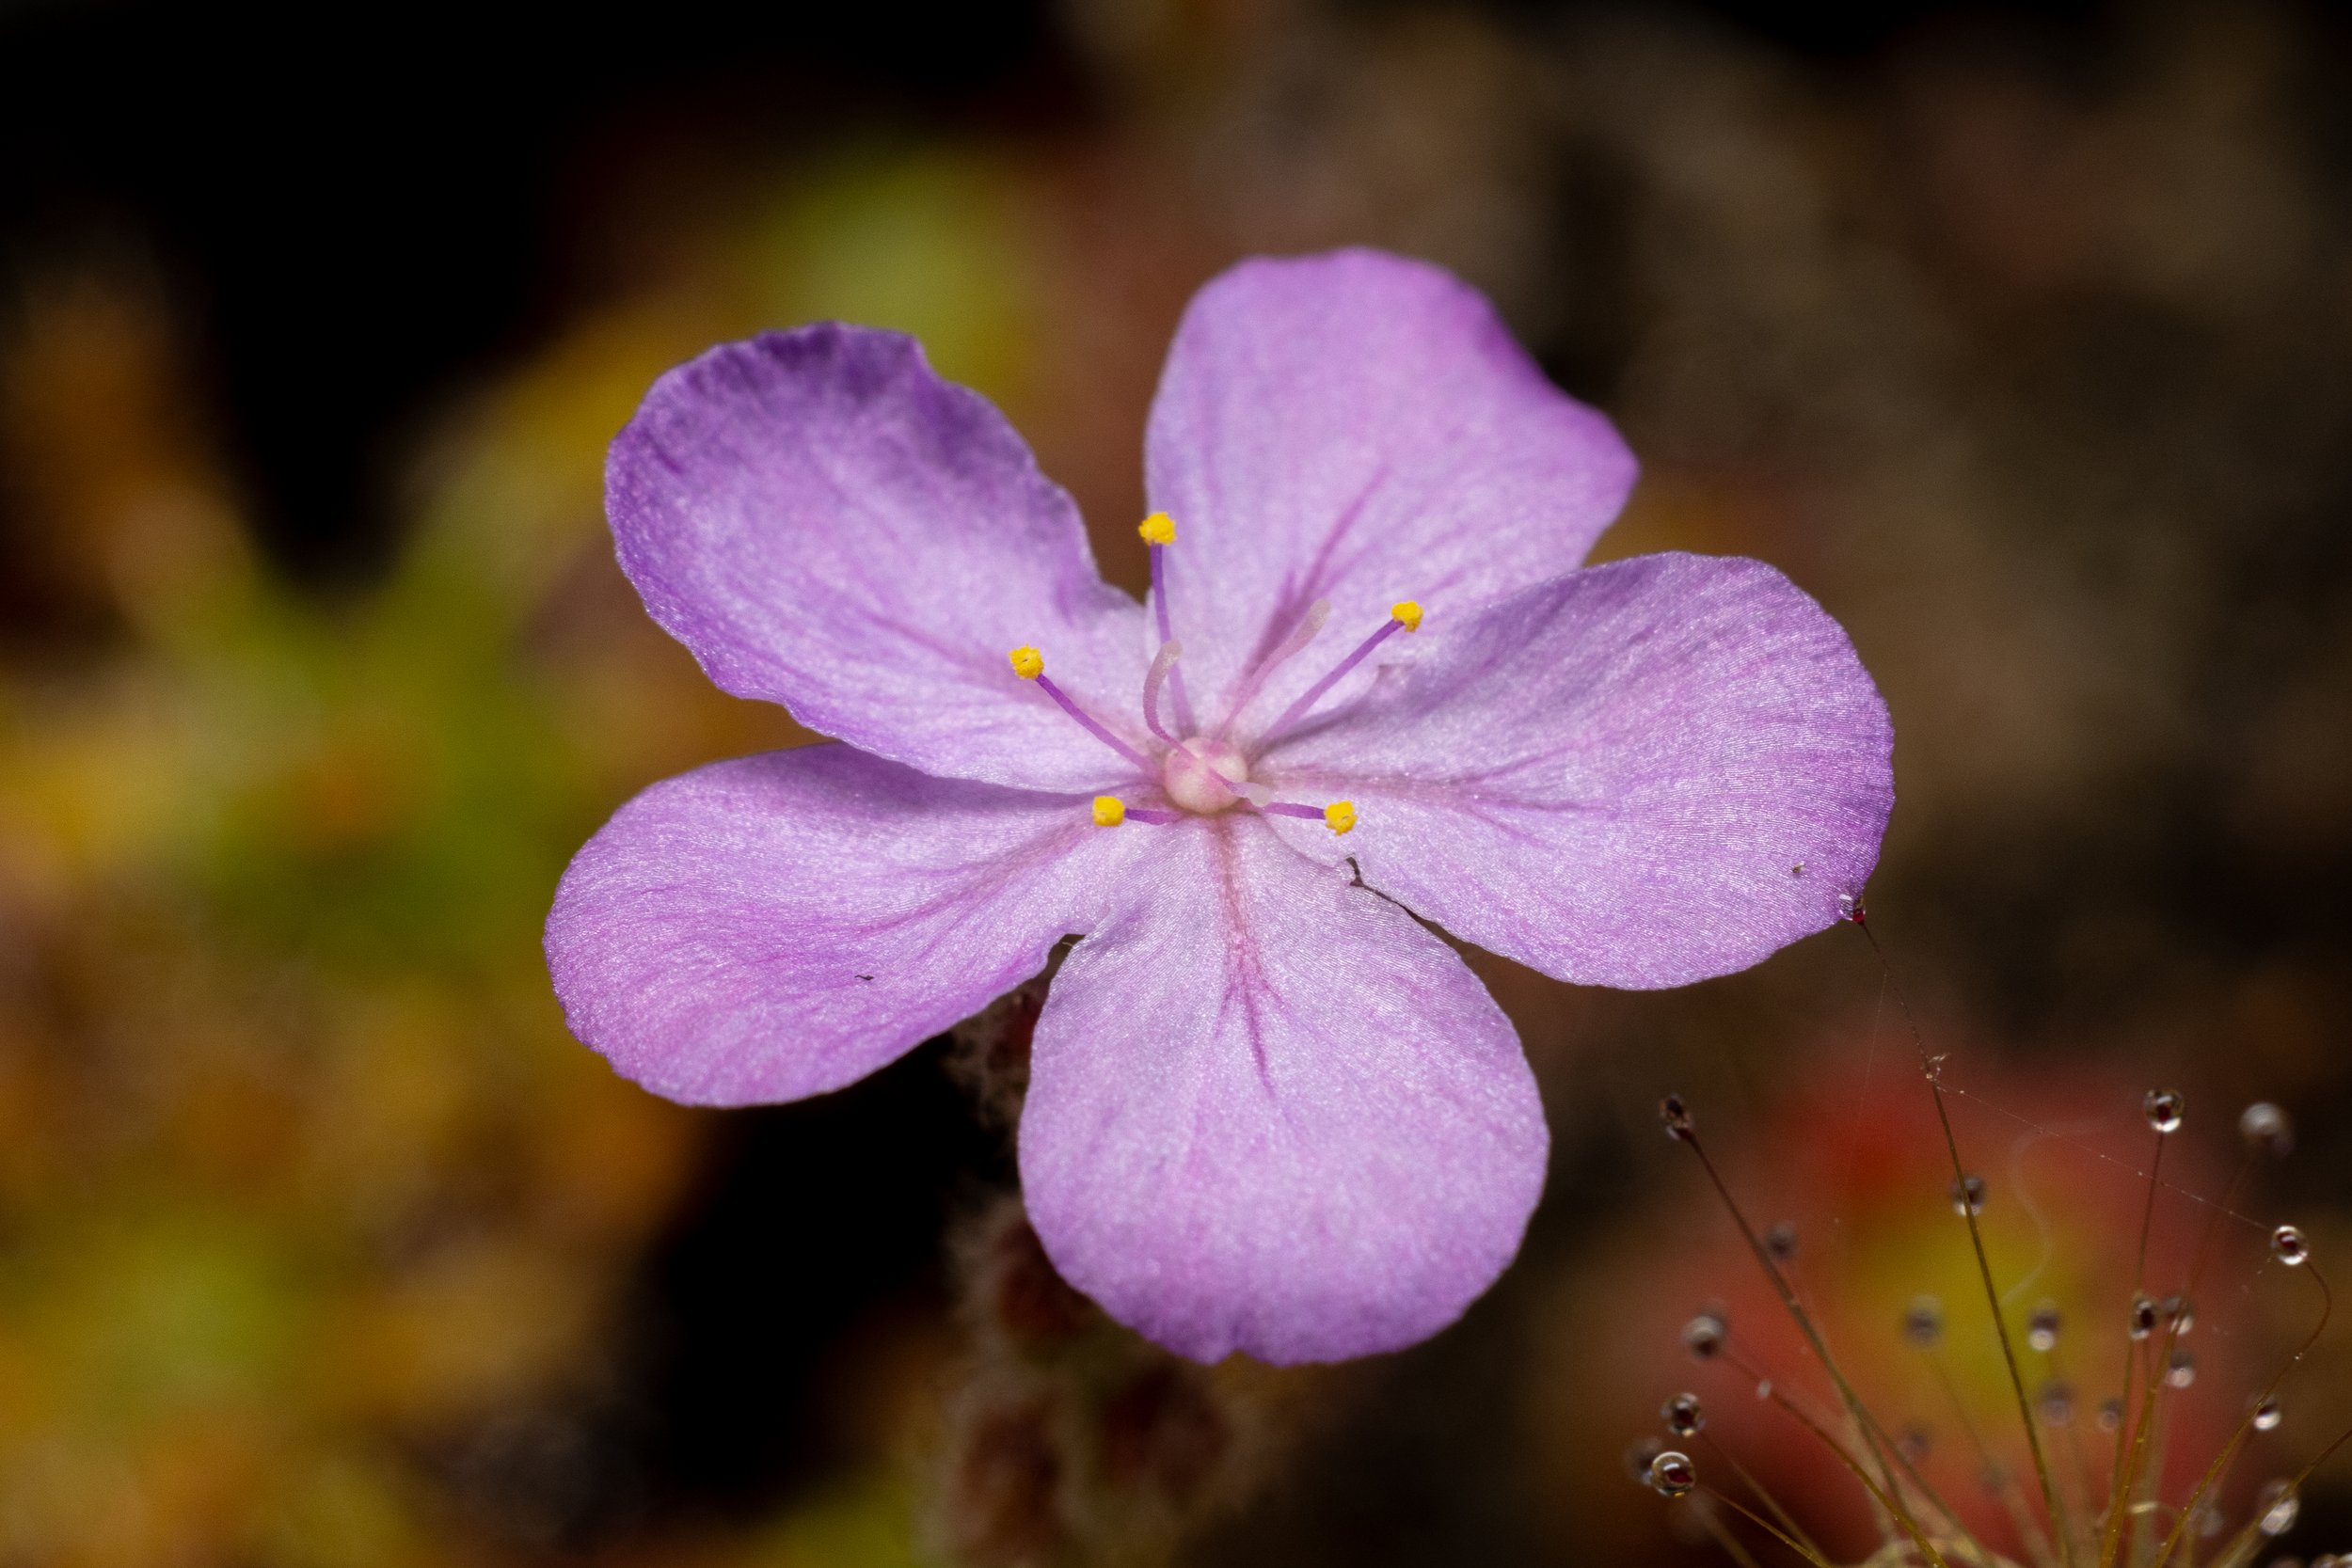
(435, 163)
(432, 161)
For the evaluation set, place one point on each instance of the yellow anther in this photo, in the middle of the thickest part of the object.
(1406, 614)
(1109, 810)
(1340, 815)
(1158, 529)
(1027, 663)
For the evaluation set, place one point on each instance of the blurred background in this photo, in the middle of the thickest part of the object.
(2021, 338)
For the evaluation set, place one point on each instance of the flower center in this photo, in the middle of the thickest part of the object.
(1204, 776)
(1208, 775)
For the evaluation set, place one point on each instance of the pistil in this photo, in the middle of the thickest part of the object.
(1163, 666)
(1205, 776)
(1300, 635)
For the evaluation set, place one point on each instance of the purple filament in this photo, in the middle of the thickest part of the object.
(1046, 684)
(1308, 698)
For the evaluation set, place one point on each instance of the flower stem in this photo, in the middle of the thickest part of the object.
(2128, 1478)
(1796, 1537)
(1801, 1549)
(1932, 1070)
(2246, 1423)
(1821, 1348)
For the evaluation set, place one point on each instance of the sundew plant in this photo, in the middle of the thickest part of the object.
(2071, 1504)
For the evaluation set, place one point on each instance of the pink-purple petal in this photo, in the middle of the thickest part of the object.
(1639, 775)
(1359, 427)
(783, 924)
(1269, 1113)
(828, 525)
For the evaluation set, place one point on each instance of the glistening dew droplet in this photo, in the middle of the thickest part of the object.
(2143, 1318)
(1781, 1241)
(1682, 1416)
(2041, 1328)
(1922, 1322)
(2266, 1130)
(2179, 1369)
(2266, 1415)
(2110, 1413)
(2275, 1508)
(1703, 1335)
(2163, 1107)
(2288, 1246)
(1967, 1194)
(2180, 1314)
(1672, 1474)
(1677, 1116)
(2056, 1403)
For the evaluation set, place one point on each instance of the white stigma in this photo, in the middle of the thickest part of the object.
(1193, 770)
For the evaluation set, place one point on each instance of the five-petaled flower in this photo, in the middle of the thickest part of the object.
(1269, 1110)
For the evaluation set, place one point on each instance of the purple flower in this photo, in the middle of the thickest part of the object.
(1268, 1109)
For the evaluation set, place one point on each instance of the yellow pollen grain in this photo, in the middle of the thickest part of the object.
(1109, 810)
(1406, 614)
(1340, 815)
(1158, 529)
(1027, 663)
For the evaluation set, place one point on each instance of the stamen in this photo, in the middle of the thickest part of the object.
(1030, 666)
(1110, 810)
(1159, 531)
(1340, 815)
(1405, 615)
(1163, 665)
(1300, 635)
